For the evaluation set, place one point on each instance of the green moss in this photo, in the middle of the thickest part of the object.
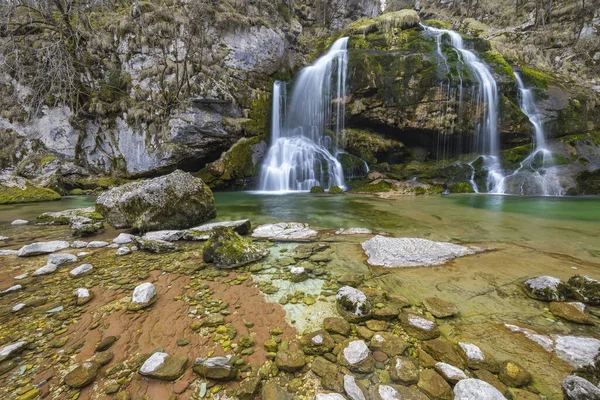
(497, 61)
(536, 78)
(379, 187)
(317, 189)
(103, 182)
(461, 187)
(420, 190)
(10, 195)
(511, 158)
(368, 145)
(571, 139)
(403, 19)
(436, 23)
(260, 109)
(48, 159)
(335, 190)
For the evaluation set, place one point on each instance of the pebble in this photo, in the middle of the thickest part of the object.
(19, 222)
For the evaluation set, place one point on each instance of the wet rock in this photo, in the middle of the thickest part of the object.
(388, 343)
(410, 252)
(450, 372)
(440, 308)
(11, 350)
(475, 389)
(298, 274)
(434, 385)
(577, 388)
(45, 270)
(4, 253)
(352, 389)
(577, 350)
(331, 378)
(404, 370)
(513, 374)
(284, 231)
(82, 375)
(153, 246)
(290, 359)
(174, 201)
(66, 217)
(475, 358)
(81, 270)
(11, 289)
(376, 325)
(329, 396)
(492, 379)
(103, 357)
(97, 244)
(396, 392)
(123, 251)
(585, 289)
(123, 238)
(144, 295)
(203, 232)
(18, 307)
(61, 258)
(352, 304)
(336, 325)
(317, 343)
(164, 236)
(248, 388)
(83, 226)
(443, 350)
(79, 244)
(164, 366)
(83, 296)
(272, 391)
(522, 394)
(39, 248)
(21, 276)
(353, 280)
(227, 249)
(547, 288)
(418, 326)
(105, 343)
(217, 368)
(353, 231)
(356, 356)
(213, 321)
(574, 312)
(19, 222)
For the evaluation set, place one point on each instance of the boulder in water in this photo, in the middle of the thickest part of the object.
(174, 201)
(585, 289)
(547, 288)
(475, 389)
(227, 249)
(352, 304)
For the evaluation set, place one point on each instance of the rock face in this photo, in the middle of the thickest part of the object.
(585, 289)
(284, 231)
(410, 252)
(546, 288)
(163, 366)
(36, 249)
(352, 304)
(227, 249)
(217, 368)
(577, 388)
(475, 389)
(174, 201)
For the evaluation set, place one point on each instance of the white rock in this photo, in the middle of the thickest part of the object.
(19, 222)
(8, 252)
(83, 254)
(355, 296)
(475, 389)
(472, 351)
(203, 232)
(329, 396)
(577, 351)
(113, 246)
(123, 238)
(82, 293)
(317, 340)
(410, 252)
(547, 286)
(46, 269)
(22, 276)
(450, 372)
(79, 244)
(356, 352)
(7, 351)
(13, 288)
(123, 251)
(388, 393)
(284, 231)
(153, 363)
(353, 231)
(545, 341)
(576, 387)
(352, 389)
(297, 270)
(96, 244)
(62, 258)
(420, 322)
(214, 362)
(3, 238)
(166, 236)
(144, 293)
(38, 248)
(18, 307)
(82, 269)
(578, 305)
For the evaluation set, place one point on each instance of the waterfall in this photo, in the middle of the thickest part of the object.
(306, 133)
(536, 174)
(487, 141)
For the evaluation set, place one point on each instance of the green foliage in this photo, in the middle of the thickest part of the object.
(571, 139)
(436, 23)
(10, 195)
(461, 187)
(495, 59)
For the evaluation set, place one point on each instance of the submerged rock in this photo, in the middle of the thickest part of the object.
(547, 288)
(475, 358)
(404, 370)
(272, 391)
(153, 246)
(298, 274)
(143, 296)
(396, 392)
(574, 312)
(353, 231)
(576, 350)
(388, 343)
(419, 326)
(440, 308)
(11, 289)
(450, 372)
(336, 325)
(82, 375)
(585, 289)
(227, 249)
(174, 201)
(434, 385)
(46, 269)
(356, 356)
(66, 217)
(410, 252)
(164, 236)
(316, 343)
(39, 248)
(123, 251)
(60, 259)
(352, 304)
(577, 388)
(163, 366)
(217, 368)
(352, 389)
(284, 231)
(513, 374)
(203, 232)
(475, 389)
(19, 222)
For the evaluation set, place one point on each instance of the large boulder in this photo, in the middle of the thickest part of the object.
(174, 201)
(227, 249)
(14, 189)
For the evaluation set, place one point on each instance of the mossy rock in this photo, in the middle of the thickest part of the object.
(335, 190)
(317, 189)
(461, 187)
(369, 145)
(534, 77)
(226, 249)
(379, 187)
(588, 182)
(29, 194)
(402, 19)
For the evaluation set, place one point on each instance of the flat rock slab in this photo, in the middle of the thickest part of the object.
(284, 231)
(38, 248)
(411, 252)
(475, 389)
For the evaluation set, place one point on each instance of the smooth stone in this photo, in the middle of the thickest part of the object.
(60, 259)
(143, 296)
(475, 389)
(11, 289)
(81, 270)
(39, 248)
(123, 238)
(336, 325)
(123, 251)
(4, 238)
(97, 244)
(165, 236)
(22, 276)
(419, 326)
(45, 270)
(82, 375)
(153, 246)
(105, 343)
(450, 372)
(19, 222)
(9, 252)
(404, 370)
(79, 244)
(410, 252)
(18, 307)
(290, 359)
(163, 366)
(353, 391)
(10, 350)
(574, 312)
(353, 231)
(513, 374)
(284, 231)
(396, 392)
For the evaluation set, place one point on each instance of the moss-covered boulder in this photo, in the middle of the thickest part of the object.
(227, 249)
(585, 289)
(174, 201)
(14, 189)
(335, 190)
(317, 189)
(66, 217)
(546, 288)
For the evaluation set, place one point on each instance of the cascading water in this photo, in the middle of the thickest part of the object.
(487, 141)
(306, 135)
(537, 174)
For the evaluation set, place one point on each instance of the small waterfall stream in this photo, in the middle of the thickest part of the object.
(306, 132)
